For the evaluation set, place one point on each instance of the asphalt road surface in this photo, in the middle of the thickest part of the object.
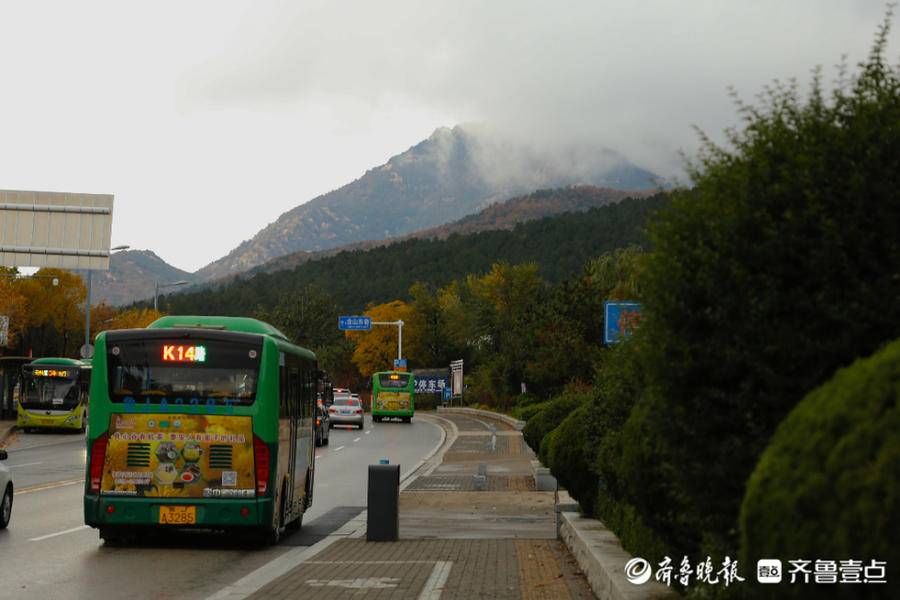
(47, 552)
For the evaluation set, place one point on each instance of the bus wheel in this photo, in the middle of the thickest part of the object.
(407, 419)
(295, 524)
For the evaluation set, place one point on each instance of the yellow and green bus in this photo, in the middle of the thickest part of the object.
(54, 394)
(393, 396)
(200, 422)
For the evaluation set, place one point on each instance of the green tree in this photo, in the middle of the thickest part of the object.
(308, 317)
(780, 266)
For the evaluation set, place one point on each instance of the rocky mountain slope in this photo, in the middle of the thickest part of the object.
(454, 173)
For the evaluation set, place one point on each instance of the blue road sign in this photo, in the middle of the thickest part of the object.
(446, 393)
(432, 384)
(354, 323)
(620, 320)
(399, 363)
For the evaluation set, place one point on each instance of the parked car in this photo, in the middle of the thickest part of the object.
(346, 411)
(6, 484)
(323, 425)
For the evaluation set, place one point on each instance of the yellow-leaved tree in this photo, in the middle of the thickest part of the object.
(376, 349)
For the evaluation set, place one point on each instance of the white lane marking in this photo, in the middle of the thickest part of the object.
(250, 583)
(434, 587)
(25, 464)
(368, 431)
(48, 486)
(356, 440)
(339, 448)
(360, 583)
(58, 533)
(318, 456)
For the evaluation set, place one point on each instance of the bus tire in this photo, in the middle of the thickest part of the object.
(407, 419)
(325, 440)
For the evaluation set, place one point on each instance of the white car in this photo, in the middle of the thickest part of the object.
(6, 485)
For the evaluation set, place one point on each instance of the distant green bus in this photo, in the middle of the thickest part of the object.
(200, 422)
(393, 396)
(54, 394)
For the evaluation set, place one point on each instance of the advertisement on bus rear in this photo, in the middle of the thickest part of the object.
(392, 401)
(179, 456)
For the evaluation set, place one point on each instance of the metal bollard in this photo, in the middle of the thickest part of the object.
(383, 518)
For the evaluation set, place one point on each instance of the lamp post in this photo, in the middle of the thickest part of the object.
(87, 350)
(160, 286)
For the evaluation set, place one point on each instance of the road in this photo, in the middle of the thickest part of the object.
(48, 553)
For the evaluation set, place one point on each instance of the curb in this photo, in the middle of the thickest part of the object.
(602, 560)
(514, 423)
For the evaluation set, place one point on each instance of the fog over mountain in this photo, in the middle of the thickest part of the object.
(453, 173)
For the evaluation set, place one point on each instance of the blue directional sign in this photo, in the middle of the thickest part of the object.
(432, 384)
(354, 323)
(621, 319)
(400, 363)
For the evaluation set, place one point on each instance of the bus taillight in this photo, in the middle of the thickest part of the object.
(261, 460)
(98, 458)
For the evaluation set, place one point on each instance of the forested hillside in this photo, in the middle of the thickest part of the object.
(500, 215)
(560, 246)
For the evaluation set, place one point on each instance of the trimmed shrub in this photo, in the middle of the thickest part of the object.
(567, 451)
(552, 415)
(828, 485)
(524, 413)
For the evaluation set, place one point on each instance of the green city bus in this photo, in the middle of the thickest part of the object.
(54, 394)
(200, 422)
(393, 396)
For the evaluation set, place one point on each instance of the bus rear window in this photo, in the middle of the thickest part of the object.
(393, 380)
(183, 371)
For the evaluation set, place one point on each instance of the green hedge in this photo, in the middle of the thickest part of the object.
(568, 452)
(552, 415)
(828, 485)
(525, 412)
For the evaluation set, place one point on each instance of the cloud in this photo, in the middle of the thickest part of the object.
(635, 76)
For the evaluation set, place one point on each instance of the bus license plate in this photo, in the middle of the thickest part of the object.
(177, 515)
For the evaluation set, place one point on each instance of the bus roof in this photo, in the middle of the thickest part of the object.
(70, 362)
(238, 324)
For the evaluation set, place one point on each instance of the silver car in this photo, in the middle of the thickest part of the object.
(6, 488)
(346, 411)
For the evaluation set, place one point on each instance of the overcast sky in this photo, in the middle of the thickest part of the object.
(207, 120)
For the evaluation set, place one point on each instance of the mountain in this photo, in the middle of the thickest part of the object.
(500, 215)
(453, 173)
(133, 275)
(560, 245)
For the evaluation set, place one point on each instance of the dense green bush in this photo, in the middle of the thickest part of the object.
(828, 486)
(553, 414)
(778, 268)
(526, 411)
(567, 451)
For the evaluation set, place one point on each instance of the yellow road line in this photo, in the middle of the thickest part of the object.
(47, 486)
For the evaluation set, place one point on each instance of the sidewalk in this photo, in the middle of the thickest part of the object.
(471, 526)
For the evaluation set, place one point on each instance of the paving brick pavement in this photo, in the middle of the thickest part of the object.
(471, 527)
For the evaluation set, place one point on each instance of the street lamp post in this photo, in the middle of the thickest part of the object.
(86, 349)
(160, 286)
